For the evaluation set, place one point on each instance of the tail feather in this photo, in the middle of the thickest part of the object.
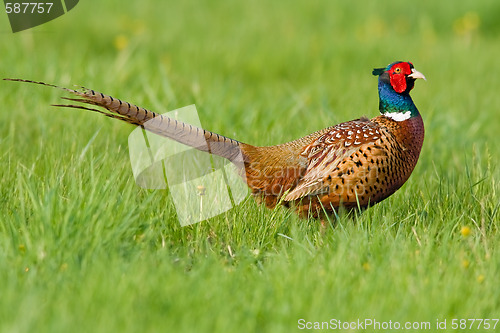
(174, 129)
(268, 171)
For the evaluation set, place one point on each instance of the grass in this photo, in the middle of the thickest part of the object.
(83, 248)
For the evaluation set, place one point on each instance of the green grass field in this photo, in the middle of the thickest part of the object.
(84, 249)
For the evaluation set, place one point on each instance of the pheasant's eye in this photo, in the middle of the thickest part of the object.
(397, 70)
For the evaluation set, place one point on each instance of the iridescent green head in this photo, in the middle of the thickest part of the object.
(394, 85)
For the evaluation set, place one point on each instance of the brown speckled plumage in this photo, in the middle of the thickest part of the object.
(358, 163)
(353, 164)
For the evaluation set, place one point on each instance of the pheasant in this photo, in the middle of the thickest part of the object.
(354, 164)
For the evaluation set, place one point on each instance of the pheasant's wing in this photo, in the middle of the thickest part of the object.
(328, 155)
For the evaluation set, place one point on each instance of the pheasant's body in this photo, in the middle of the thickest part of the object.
(353, 164)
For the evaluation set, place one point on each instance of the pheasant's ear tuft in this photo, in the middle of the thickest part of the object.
(378, 71)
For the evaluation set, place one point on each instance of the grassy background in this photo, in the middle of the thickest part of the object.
(82, 248)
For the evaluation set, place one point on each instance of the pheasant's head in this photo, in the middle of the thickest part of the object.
(394, 85)
(401, 75)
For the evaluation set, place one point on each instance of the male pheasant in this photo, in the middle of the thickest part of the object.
(353, 164)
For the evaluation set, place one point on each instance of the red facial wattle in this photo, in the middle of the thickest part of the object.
(398, 76)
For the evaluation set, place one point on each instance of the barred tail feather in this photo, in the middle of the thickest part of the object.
(174, 129)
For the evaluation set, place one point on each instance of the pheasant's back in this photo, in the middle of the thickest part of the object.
(273, 170)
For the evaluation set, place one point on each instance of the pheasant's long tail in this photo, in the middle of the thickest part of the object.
(174, 129)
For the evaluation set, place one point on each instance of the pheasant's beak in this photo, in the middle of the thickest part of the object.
(416, 74)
